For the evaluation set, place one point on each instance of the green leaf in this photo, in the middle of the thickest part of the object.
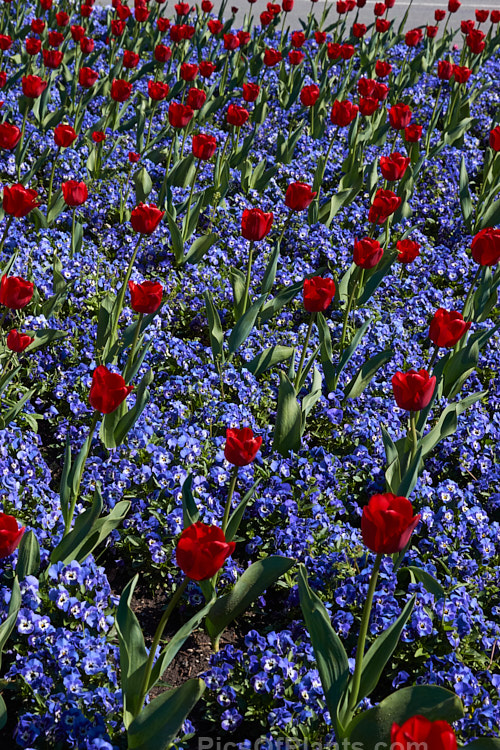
(237, 515)
(133, 654)
(376, 278)
(28, 560)
(238, 284)
(418, 575)
(347, 354)
(143, 184)
(364, 375)
(484, 743)
(465, 197)
(214, 328)
(199, 247)
(176, 237)
(315, 393)
(249, 586)
(268, 358)
(410, 477)
(8, 624)
(448, 422)
(244, 326)
(380, 652)
(159, 723)
(104, 320)
(130, 418)
(67, 548)
(183, 172)
(331, 658)
(288, 427)
(44, 336)
(3, 713)
(374, 726)
(190, 512)
(283, 298)
(270, 272)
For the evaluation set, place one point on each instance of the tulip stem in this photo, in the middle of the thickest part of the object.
(230, 493)
(157, 638)
(163, 190)
(185, 234)
(121, 293)
(20, 146)
(356, 282)
(130, 360)
(5, 231)
(247, 280)
(4, 315)
(304, 350)
(76, 491)
(51, 181)
(363, 630)
(414, 438)
(285, 227)
(73, 222)
(433, 358)
(153, 108)
(470, 293)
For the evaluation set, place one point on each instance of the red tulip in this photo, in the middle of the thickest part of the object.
(387, 523)
(74, 193)
(382, 68)
(461, 73)
(204, 146)
(413, 390)
(394, 166)
(447, 328)
(485, 246)
(196, 98)
(382, 25)
(77, 32)
(399, 116)
(130, 59)
(33, 86)
(207, 68)
(299, 196)
(445, 70)
(231, 41)
(368, 105)
(146, 218)
(33, 46)
(87, 77)
(454, 5)
(98, 136)
(413, 133)
(120, 90)
(413, 37)
(108, 390)
(162, 53)
(241, 446)
(298, 39)
(179, 115)
(157, 90)
(420, 731)
(439, 14)
(86, 45)
(15, 292)
(37, 26)
(295, 57)
(408, 250)
(255, 224)
(19, 201)
(18, 342)
(343, 113)
(272, 57)
(309, 95)
(495, 138)
(188, 71)
(5, 42)
(52, 58)
(237, 115)
(318, 294)
(202, 550)
(384, 204)
(10, 135)
(64, 136)
(367, 252)
(250, 91)
(145, 297)
(10, 535)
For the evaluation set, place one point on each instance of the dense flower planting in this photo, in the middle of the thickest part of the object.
(249, 358)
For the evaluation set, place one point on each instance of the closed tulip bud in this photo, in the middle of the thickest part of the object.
(320, 37)
(309, 95)
(475, 41)
(317, 294)
(299, 196)
(10, 135)
(384, 204)
(387, 523)
(15, 292)
(431, 31)
(444, 70)
(231, 41)
(108, 390)
(33, 46)
(241, 446)
(98, 136)
(74, 193)
(146, 218)
(399, 116)
(272, 57)
(295, 56)
(18, 342)
(196, 98)
(243, 37)
(188, 71)
(130, 59)
(77, 33)
(250, 91)
(408, 250)
(394, 166)
(255, 224)
(461, 73)
(420, 731)
(495, 138)
(64, 136)
(204, 146)
(19, 201)
(368, 106)
(333, 51)
(381, 91)
(179, 115)
(486, 247)
(287, 6)
(495, 16)
(413, 37)
(202, 551)
(413, 390)
(52, 58)
(62, 19)
(162, 53)
(367, 252)
(87, 77)
(382, 68)
(454, 5)
(207, 68)
(10, 535)
(215, 26)
(298, 39)
(439, 14)
(382, 25)
(359, 30)
(37, 26)
(33, 86)
(120, 90)
(237, 115)
(447, 328)
(146, 297)
(5, 42)
(413, 133)
(157, 90)
(86, 45)
(343, 113)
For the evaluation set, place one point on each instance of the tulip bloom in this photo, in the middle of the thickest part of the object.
(318, 294)
(309, 95)
(343, 113)
(384, 204)
(367, 252)
(204, 146)
(15, 292)
(120, 90)
(18, 342)
(408, 250)
(394, 166)
(19, 201)
(419, 731)
(74, 193)
(495, 138)
(299, 196)
(413, 390)
(108, 390)
(241, 446)
(179, 115)
(157, 90)
(145, 298)
(64, 136)
(33, 86)
(236, 115)
(10, 535)
(87, 77)
(196, 98)
(10, 135)
(387, 523)
(146, 218)
(399, 116)
(202, 551)
(485, 246)
(250, 91)
(256, 224)
(447, 328)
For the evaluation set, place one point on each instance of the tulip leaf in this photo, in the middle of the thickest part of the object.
(326, 351)
(237, 515)
(130, 417)
(249, 586)
(315, 393)
(288, 429)
(200, 247)
(3, 713)
(244, 326)
(458, 368)
(268, 358)
(331, 658)
(380, 652)
(133, 654)
(448, 422)
(182, 173)
(465, 196)
(484, 743)
(240, 299)
(348, 353)
(410, 477)
(214, 328)
(159, 723)
(365, 374)
(8, 624)
(270, 272)
(28, 559)
(176, 238)
(374, 726)
(373, 281)
(44, 336)
(418, 575)
(143, 185)
(190, 512)
(284, 297)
